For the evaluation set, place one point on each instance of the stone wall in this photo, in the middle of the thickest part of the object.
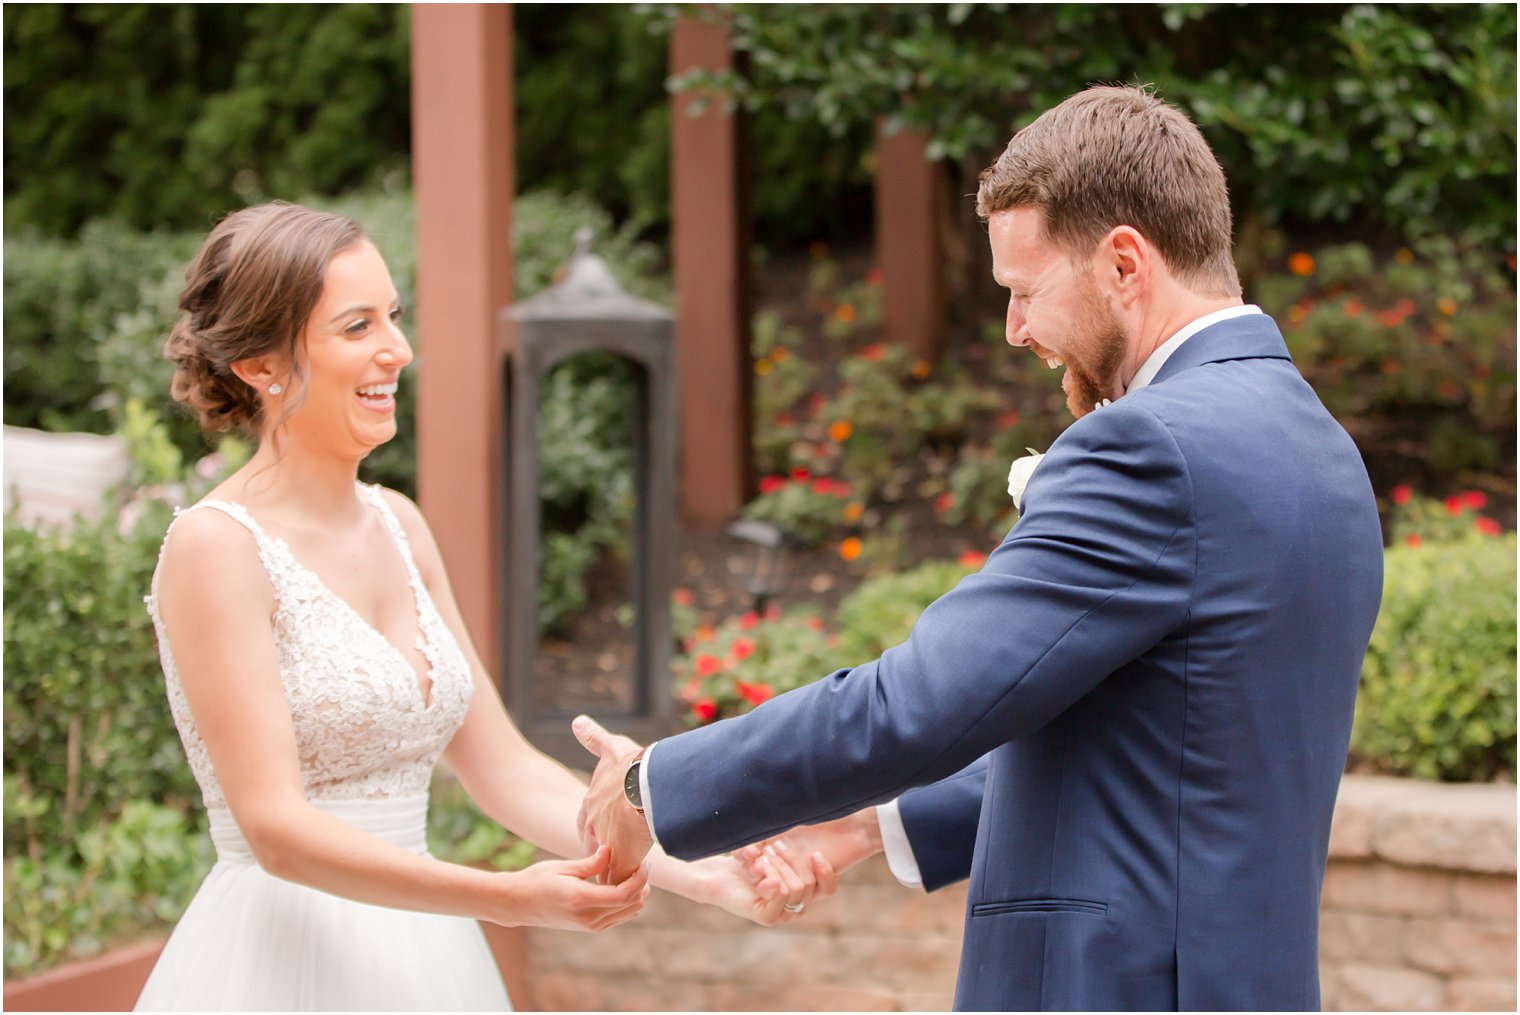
(1418, 914)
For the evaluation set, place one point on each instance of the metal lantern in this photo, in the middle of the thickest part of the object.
(587, 312)
(763, 570)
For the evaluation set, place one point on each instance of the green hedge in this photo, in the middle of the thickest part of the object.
(1438, 690)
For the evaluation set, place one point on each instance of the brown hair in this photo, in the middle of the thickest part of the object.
(249, 292)
(1112, 156)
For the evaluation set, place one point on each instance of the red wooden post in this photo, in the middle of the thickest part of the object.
(710, 254)
(462, 163)
(910, 205)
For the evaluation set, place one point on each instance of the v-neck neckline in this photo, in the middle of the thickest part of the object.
(426, 694)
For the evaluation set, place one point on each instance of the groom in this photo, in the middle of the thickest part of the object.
(1160, 660)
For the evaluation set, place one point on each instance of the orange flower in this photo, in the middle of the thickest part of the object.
(762, 367)
(1301, 264)
(1352, 307)
(683, 597)
(1447, 306)
(1413, 540)
(1297, 313)
(840, 430)
(850, 548)
(844, 313)
(815, 623)
(921, 369)
(1390, 318)
(973, 558)
(853, 511)
(703, 634)
(707, 665)
(781, 355)
(1404, 255)
(1390, 366)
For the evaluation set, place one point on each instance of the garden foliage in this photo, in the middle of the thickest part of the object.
(1438, 690)
(1398, 116)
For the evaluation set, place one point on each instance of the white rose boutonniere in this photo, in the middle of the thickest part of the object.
(1018, 476)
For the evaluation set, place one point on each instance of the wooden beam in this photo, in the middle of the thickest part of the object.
(462, 165)
(910, 205)
(710, 255)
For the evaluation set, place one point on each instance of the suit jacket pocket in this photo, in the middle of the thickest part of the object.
(1009, 906)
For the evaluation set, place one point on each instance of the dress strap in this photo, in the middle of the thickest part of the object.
(372, 494)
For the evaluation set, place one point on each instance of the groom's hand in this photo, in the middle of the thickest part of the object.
(606, 815)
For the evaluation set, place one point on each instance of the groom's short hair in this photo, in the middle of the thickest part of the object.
(1111, 156)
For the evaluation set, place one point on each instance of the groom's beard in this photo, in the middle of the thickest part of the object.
(1097, 350)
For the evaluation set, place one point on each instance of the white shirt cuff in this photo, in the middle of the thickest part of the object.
(644, 791)
(894, 844)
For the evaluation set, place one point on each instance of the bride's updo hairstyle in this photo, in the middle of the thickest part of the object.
(249, 292)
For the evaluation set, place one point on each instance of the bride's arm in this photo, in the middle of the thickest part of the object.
(535, 797)
(216, 603)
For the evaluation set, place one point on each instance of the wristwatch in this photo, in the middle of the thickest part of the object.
(631, 788)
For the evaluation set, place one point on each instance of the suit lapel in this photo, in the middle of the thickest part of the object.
(1254, 336)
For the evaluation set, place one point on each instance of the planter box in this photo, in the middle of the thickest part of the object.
(109, 982)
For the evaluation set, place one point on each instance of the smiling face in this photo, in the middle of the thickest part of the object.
(1056, 309)
(354, 351)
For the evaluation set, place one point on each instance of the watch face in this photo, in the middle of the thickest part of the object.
(631, 787)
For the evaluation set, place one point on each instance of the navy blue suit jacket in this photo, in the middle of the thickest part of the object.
(1159, 661)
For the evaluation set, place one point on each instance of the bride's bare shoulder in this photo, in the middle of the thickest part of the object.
(208, 549)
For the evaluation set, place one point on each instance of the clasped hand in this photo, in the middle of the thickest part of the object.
(770, 885)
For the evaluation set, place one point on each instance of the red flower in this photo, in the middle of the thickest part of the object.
(784, 419)
(1475, 499)
(801, 475)
(707, 665)
(1008, 419)
(748, 621)
(755, 694)
(743, 648)
(874, 276)
(1413, 540)
(973, 558)
(823, 485)
(1454, 505)
(690, 688)
(874, 351)
(1402, 494)
(705, 709)
(770, 484)
(773, 612)
(1487, 526)
(815, 623)
(944, 502)
(683, 597)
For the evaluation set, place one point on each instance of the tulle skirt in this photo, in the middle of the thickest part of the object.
(252, 942)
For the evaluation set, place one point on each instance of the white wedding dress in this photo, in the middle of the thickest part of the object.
(368, 742)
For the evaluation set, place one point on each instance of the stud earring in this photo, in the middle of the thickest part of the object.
(275, 389)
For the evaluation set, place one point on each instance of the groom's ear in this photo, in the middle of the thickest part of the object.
(1125, 264)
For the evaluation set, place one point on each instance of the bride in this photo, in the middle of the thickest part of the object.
(317, 667)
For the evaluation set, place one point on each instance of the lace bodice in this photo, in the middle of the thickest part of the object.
(362, 727)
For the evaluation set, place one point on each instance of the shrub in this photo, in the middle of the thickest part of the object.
(1437, 698)
(748, 659)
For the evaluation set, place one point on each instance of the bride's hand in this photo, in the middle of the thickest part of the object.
(560, 894)
(790, 881)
